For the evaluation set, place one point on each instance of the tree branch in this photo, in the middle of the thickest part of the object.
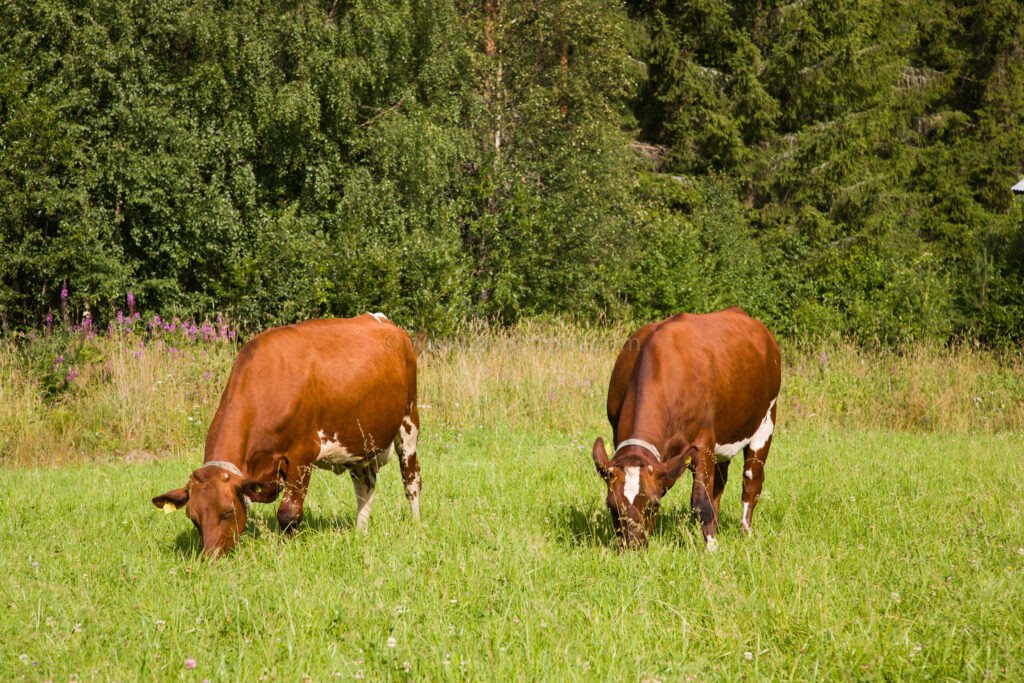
(382, 112)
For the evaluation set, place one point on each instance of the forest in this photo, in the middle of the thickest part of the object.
(833, 167)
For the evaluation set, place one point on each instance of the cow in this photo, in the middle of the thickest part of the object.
(339, 395)
(689, 392)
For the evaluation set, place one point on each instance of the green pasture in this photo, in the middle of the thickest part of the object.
(876, 555)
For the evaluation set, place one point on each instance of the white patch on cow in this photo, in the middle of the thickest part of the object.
(756, 441)
(743, 519)
(409, 433)
(725, 452)
(712, 543)
(749, 474)
(381, 318)
(333, 455)
(412, 492)
(764, 430)
(632, 486)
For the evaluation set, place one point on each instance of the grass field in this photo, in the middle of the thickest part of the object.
(876, 556)
(889, 543)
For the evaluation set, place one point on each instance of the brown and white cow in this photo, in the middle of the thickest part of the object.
(691, 392)
(335, 394)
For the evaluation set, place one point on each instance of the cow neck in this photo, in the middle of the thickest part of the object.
(226, 442)
(640, 427)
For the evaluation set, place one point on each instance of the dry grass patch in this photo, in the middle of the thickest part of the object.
(144, 395)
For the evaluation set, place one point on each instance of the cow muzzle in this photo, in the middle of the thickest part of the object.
(632, 533)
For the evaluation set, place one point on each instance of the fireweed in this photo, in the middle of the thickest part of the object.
(135, 388)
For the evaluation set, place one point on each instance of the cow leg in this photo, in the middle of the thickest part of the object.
(405, 443)
(753, 478)
(289, 512)
(701, 501)
(364, 481)
(721, 476)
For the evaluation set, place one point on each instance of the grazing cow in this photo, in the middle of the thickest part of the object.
(335, 394)
(690, 391)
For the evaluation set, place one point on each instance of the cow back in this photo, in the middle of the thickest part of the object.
(715, 373)
(348, 379)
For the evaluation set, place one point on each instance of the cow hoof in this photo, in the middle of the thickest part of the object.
(712, 544)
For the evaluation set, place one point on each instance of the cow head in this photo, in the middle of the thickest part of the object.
(635, 488)
(216, 501)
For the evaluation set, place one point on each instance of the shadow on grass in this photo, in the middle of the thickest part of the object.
(343, 523)
(187, 544)
(580, 524)
(262, 522)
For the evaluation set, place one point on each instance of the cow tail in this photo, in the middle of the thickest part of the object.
(419, 343)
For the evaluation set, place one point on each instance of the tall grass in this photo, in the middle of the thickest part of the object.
(556, 375)
(920, 387)
(132, 393)
(144, 393)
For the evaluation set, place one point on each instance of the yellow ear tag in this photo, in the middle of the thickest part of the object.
(169, 508)
(257, 489)
(608, 449)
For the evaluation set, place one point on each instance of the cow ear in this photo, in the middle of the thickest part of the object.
(172, 500)
(601, 461)
(260, 491)
(671, 470)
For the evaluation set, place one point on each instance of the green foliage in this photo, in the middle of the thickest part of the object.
(283, 162)
(700, 255)
(831, 168)
(874, 144)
